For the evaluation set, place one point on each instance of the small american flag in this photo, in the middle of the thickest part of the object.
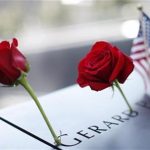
(140, 51)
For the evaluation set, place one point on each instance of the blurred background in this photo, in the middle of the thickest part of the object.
(55, 34)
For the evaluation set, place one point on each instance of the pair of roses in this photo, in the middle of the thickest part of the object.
(99, 69)
(104, 66)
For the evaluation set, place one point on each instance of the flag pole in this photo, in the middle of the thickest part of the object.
(140, 8)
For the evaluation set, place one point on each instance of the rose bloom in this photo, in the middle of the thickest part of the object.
(12, 62)
(103, 65)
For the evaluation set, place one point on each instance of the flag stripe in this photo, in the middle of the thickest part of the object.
(138, 51)
(138, 47)
(138, 40)
(138, 56)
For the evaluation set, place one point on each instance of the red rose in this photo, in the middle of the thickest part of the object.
(12, 62)
(103, 65)
(13, 71)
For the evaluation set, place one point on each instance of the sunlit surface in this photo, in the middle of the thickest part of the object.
(130, 28)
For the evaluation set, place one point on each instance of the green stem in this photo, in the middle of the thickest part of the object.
(123, 95)
(23, 81)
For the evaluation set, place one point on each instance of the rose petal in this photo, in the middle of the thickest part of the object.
(117, 66)
(18, 59)
(5, 61)
(15, 42)
(126, 70)
(98, 86)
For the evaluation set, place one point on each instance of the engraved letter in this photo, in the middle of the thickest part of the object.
(119, 118)
(85, 134)
(96, 129)
(108, 124)
(131, 114)
(78, 141)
